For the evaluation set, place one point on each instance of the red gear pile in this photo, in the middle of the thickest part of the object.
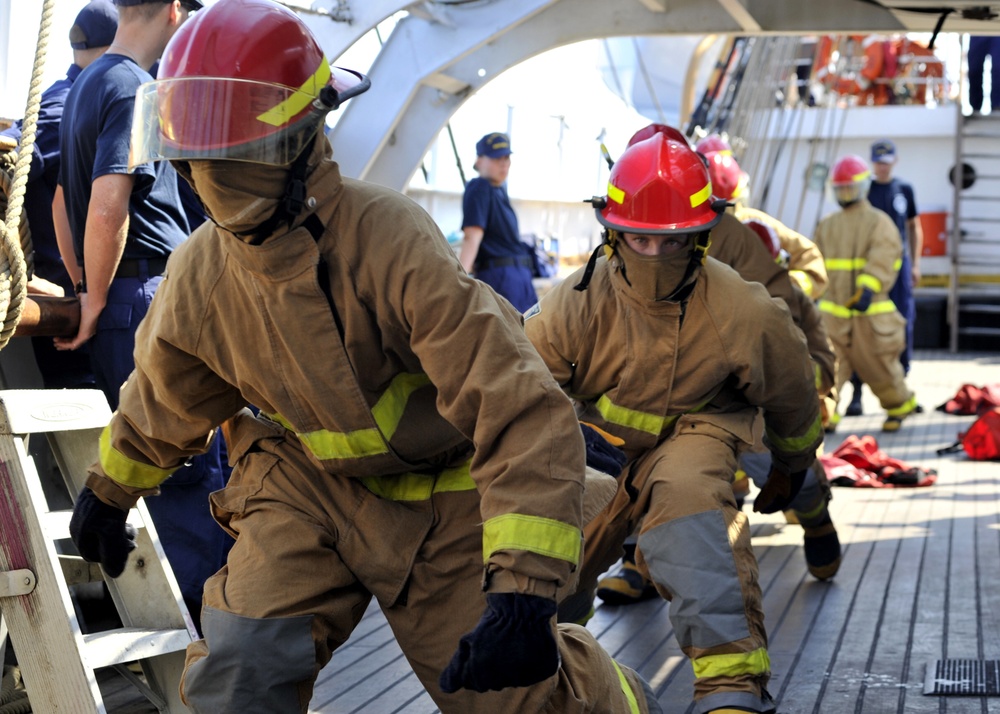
(858, 462)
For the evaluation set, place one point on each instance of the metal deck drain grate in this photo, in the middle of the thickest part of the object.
(969, 677)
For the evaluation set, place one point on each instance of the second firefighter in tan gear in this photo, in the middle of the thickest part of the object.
(863, 250)
(670, 352)
(388, 460)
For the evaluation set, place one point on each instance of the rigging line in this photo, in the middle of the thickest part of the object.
(648, 82)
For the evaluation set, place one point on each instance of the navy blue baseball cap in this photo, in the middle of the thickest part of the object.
(191, 5)
(493, 145)
(95, 26)
(884, 151)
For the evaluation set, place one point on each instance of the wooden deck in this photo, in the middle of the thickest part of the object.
(920, 581)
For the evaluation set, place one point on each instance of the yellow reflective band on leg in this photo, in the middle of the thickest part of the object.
(128, 471)
(797, 443)
(420, 487)
(732, 665)
(515, 531)
(812, 512)
(633, 703)
(905, 408)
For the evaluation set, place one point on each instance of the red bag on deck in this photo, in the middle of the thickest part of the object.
(982, 440)
(971, 399)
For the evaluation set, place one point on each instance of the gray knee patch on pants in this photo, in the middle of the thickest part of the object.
(692, 558)
(253, 665)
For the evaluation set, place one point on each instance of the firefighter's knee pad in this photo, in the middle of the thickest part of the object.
(252, 666)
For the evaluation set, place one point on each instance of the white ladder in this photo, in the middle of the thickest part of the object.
(57, 660)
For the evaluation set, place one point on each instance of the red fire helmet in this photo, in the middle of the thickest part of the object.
(729, 181)
(238, 81)
(659, 186)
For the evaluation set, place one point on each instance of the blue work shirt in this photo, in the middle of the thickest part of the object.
(896, 199)
(95, 142)
(43, 177)
(488, 207)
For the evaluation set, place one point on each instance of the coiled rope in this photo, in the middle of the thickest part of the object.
(13, 268)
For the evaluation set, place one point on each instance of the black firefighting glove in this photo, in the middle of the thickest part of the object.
(512, 646)
(603, 453)
(779, 490)
(861, 300)
(100, 532)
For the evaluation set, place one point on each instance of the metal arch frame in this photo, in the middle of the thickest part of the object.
(428, 69)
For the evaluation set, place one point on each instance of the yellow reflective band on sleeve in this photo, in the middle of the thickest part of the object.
(515, 531)
(387, 412)
(898, 264)
(703, 195)
(282, 113)
(129, 472)
(845, 263)
(420, 487)
(640, 421)
(817, 375)
(804, 281)
(877, 308)
(868, 281)
(795, 444)
(732, 665)
(615, 193)
(633, 703)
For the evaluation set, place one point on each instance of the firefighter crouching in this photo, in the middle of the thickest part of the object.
(863, 253)
(674, 353)
(339, 310)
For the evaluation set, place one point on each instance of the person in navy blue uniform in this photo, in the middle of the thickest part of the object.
(896, 198)
(93, 30)
(116, 230)
(979, 47)
(492, 249)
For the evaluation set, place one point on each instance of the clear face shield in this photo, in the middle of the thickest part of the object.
(846, 194)
(220, 118)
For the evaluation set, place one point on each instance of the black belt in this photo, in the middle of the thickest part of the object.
(135, 267)
(522, 260)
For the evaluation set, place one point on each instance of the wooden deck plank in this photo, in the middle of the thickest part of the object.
(920, 581)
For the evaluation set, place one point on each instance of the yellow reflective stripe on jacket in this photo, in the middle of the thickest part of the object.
(420, 487)
(797, 443)
(129, 472)
(516, 531)
(845, 263)
(868, 281)
(898, 264)
(643, 421)
(640, 421)
(876, 308)
(633, 704)
(732, 665)
(387, 412)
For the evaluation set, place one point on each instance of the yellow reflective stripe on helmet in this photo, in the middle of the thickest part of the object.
(387, 412)
(845, 263)
(615, 193)
(868, 281)
(703, 195)
(877, 308)
(633, 703)
(797, 443)
(732, 665)
(420, 487)
(640, 421)
(129, 472)
(515, 531)
(285, 111)
(905, 408)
